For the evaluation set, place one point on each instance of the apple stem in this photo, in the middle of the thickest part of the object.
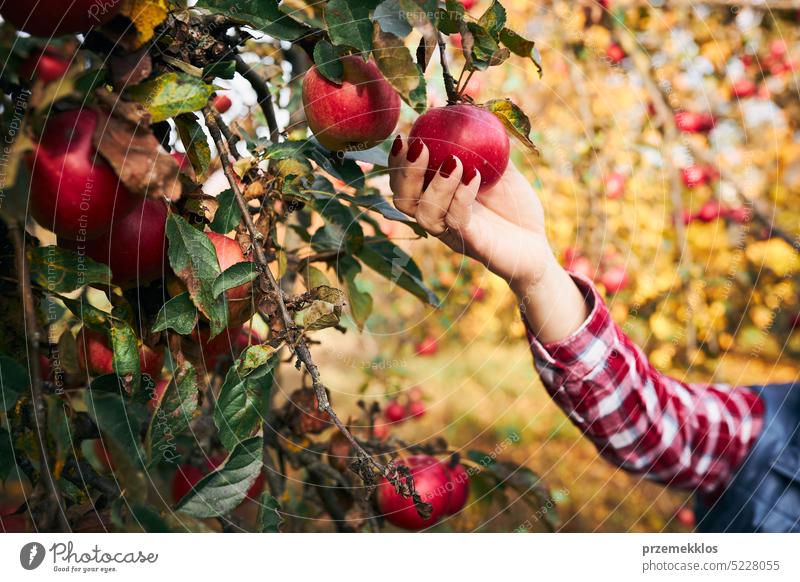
(296, 340)
(449, 82)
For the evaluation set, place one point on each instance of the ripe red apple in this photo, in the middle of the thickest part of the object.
(74, 191)
(46, 65)
(187, 476)
(12, 523)
(615, 185)
(56, 17)
(691, 122)
(135, 247)
(467, 4)
(394, 411)
(685, 517)
(738, 214)
(458, 484)
(778, 48)
(96, 357)
(415, 393)
(380, 431)
(581, 266)
(478, 293)
(694, 176)
(222, 103)
(615, 279)
(228, 254)
(356, 115)
(430, 479)
(743, 88)
(472, 134)
(183, 161)
(427, 347)
(709, 211)
(615, 53)
(415, 409)
(455, 40)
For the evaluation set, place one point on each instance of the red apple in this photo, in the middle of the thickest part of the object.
(228, 254)
(743, 88)
(56, 17)
(394, 411)
(691, 122)
(74, 192)
(11, 522)
(581, 266)
(415, 409)
(778, 49)
(182, 159)
(228, 344)
(459, 487)
(380, 431)
(615, 185)
(685, 517)
(415, 393)
(694, 176)
(96, 357)
(467, 4)
(135, 247)
(478, 293)
(427, 347)
(46, 65)
(222, 103)
(455, 40)
(472, 134)
(709, 211)
(739, 214)
(356, 115)
(614, 279)
(430, 479)
(615, 53)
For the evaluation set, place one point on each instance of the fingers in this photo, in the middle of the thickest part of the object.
(407, 165)
(459, 214)
(436, 199)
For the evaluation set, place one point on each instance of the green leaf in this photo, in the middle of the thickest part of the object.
(237, 413)
(222, 490)
(395, 62)
(349, 24)
(194, 260)
(378, 203)
(522, 47)
(58, 427)
(341, 229)
(494, 19)
(179, 314)
(195, 141)
(91, 316)
(228, 213)
(451, 17)
(485, 50)
(393, 263)
(390, 17)
(176, 408)
(14, 380)
(59, 270)
(263, 15)
(326, 59)
(125, 347)
(344, 169)
(220, 70)
(321, 315)
(171, 94)
(514, 119)
(233, 276)
(148, 519)
(7, 461)
(118, 424)
(269, 517)
(360, 302)
(91, 80)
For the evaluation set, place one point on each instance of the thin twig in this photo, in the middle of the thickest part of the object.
(294, 337)
(229, 135)
(54, 516)
(449, 82)
(264, 96)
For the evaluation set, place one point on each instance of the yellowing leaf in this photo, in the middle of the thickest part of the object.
(146, 15)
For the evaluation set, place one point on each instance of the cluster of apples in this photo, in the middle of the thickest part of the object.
(395, 411)
(443, 484)
(711, 210)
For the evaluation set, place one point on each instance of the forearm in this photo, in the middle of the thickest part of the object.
(553, 306)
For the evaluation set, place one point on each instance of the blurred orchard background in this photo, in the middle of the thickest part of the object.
(669, 168)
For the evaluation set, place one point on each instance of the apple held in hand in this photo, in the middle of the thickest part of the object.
(356, 115)
(56, 17)
(472, 134)
(96, 357)
(135, 247)
(431, 480)
(75, 192)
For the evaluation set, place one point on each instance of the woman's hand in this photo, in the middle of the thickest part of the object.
(503, 228)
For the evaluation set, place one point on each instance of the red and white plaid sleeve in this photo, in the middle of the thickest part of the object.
(679, 434)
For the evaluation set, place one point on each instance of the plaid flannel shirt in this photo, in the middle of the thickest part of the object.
(683, 435)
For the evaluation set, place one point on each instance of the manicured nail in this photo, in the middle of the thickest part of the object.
(414, 150)
(448, 166)
(397, 145)
(468, 175)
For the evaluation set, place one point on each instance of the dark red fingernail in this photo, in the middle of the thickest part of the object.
(468, 175)
(448, 166)
(414, 150)
(397, 145)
